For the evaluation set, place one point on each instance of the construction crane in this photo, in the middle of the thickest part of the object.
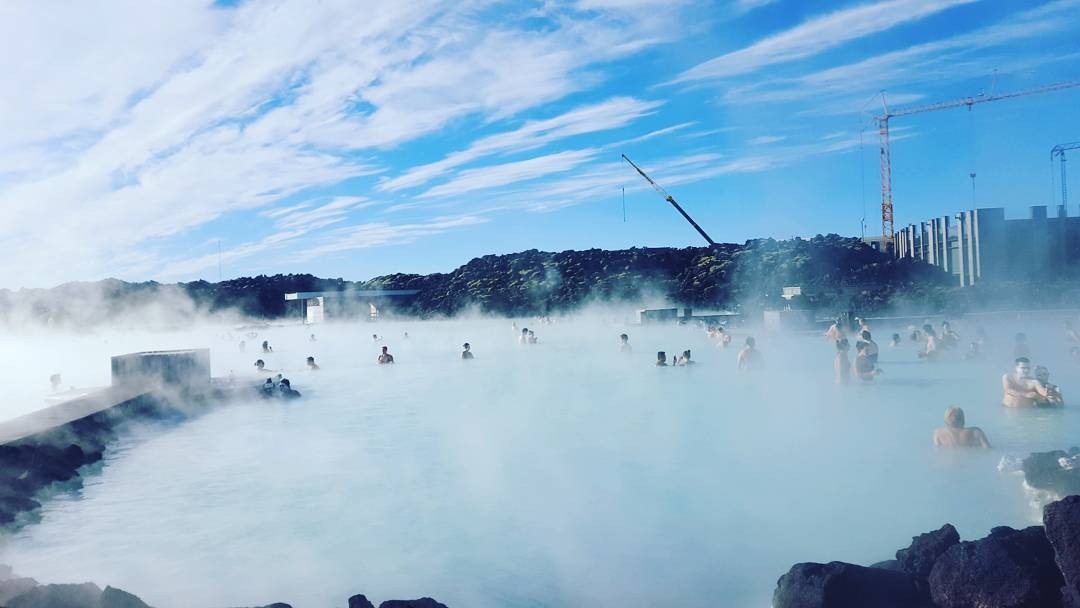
(1058, 151)
(671, 199)
(883, 134)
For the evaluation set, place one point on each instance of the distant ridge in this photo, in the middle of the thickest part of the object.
(838, 272)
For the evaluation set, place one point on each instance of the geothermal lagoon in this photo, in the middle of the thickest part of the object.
(563, 473)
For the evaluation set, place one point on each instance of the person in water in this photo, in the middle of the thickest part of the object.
(311, 338)
(1049, 394)
(624, 343)
(267, 388)
(949, 338)
(842, 364)
(864, 363)
(311, 365)
(385, 357)
(243, 346)
(532, 337)
(1018, 386)
(55, 380)
(684, 359)
(931, 350)
(723, 336)
(661, 358)
(260, 366)
(749, 356)
(1020, 346)
(894, 341)
(467, 353)
(524, 339)
(914, 334)
(286, 391)
(266, 347)
(955, 435)
(835, 331)
(872, 349)
(973, 351)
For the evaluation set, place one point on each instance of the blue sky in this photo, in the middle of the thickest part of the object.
(349, 138)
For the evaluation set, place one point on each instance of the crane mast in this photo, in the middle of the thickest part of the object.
(887, 230)
(1058, 151)
(671, 199)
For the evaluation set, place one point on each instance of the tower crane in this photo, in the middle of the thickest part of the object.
(883, 134)
(1058, 151)
(671, 199)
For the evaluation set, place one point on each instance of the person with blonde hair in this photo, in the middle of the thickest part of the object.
(955, 435)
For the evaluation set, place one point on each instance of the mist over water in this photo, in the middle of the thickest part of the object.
(558, 474)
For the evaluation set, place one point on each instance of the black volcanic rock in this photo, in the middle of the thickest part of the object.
(112, 597)
(835, 272)
(1062, 522)
(85, 595)
(1043, 472)
(360, 601)
(918, 559)
(1007, 569)
(842, 585)
(13, 587)
(424, 602)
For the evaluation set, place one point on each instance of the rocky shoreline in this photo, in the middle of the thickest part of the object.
(20, 592)
(1036, 567)
(33, 467)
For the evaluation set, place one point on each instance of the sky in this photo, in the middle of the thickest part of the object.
(174, 140)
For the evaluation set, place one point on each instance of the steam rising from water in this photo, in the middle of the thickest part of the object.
(565, 473)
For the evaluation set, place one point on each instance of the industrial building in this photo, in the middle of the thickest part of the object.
(981, 244)
(318, 306)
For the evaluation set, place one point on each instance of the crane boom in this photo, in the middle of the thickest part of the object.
(671, 199)
(883, 134)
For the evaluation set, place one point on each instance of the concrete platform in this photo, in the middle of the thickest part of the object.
(54, 416)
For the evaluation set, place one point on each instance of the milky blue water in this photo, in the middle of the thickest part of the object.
(560, 474)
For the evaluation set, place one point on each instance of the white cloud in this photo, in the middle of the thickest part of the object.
(936, 61)
(763, 140)
(611, 114)
(375, 234)
(745, 6)
(817, 35)
(130, 124)
(493, 176)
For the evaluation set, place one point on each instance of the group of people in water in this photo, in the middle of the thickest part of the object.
(1025, 386)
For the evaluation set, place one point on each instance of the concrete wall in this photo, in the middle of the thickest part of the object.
(184, 369)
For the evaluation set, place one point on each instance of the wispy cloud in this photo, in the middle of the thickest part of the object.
(948, 58)
(365, 236)
(745, 6)
(611, 114)
(209, 111)
(763, 140)
(493, 176)
(817, 35)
